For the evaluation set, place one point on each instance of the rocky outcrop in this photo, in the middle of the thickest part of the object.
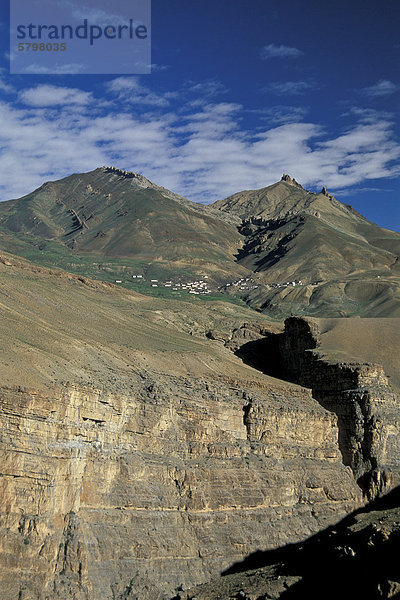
(140, 180)
(77, 221)
(109, 496)
(368, 409)
(292, 181)
(325, 192)
(357, 558)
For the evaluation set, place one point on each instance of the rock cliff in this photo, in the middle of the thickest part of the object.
(135, 457)
(357, 558)
(103, 492)
(359, 393)
(367, 408)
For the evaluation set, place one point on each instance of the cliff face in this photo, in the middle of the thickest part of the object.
(367, 407)
(357, 558)
(106, 496)
(136, 457)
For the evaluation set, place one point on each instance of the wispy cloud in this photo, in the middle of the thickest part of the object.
(52, 95)
(368, 115)
(384, 87)
(95, 15)
(290, 88)
(274, 51)
(155, 68)
(281, 114)
(352, 191)
(207, 89)
(68, 69)
(6, 87)
(132, 91)
(199, 151)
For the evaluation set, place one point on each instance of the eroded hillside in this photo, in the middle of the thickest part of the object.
(281, 249)
(137, 457)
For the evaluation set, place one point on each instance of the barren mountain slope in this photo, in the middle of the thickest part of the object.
(117, 216)
(341, 263)
(281, 249)
(136, 457)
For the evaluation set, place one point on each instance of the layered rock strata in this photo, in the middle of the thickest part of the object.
(367, 406)
(357, 558)
(135, 457)
(106, 496)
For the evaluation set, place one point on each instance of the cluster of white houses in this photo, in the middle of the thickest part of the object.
(242, 284)
(292, 283)
(201, 286)
(285, 284)
(192, 287)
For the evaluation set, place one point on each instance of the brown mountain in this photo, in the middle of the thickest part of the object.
(342, 264)
(281, 249)
(121, 217)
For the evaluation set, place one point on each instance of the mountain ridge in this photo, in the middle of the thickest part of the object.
(292, 234)
(110, 223)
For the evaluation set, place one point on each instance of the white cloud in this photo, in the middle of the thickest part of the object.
(351, 191)
(199, 151)
(382, 88)
(368, 115)
(68, 69)
(274, 51)
(290, 88)
(52, 95)
(94, 15)
(155, 68)
(281, 114)
(6, 87)
(131, 90)
(206, 89)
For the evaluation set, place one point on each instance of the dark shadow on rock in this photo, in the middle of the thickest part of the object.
(263, 355)
(339, 562)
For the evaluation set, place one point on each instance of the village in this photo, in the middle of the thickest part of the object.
(245, 284)
(201, 286)
(196, 287)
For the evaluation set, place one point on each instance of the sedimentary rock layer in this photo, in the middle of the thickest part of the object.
(357, 558)
(103, 493)
(359, 393)
(135, 457)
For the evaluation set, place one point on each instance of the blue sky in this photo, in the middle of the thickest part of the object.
(240, 93)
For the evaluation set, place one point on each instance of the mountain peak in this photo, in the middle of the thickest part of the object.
(140, 180)
(291, 181)
(325, 192)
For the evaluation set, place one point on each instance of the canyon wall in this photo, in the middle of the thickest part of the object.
(367, 407)
(112, 496)
(136, 458)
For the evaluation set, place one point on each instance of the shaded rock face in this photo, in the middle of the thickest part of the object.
(368, 409)
(357, 558)
(110, 497)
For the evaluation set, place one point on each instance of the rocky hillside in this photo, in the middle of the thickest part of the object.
(313, 254)
(111, 217)
(281, 249)
(136, 457)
